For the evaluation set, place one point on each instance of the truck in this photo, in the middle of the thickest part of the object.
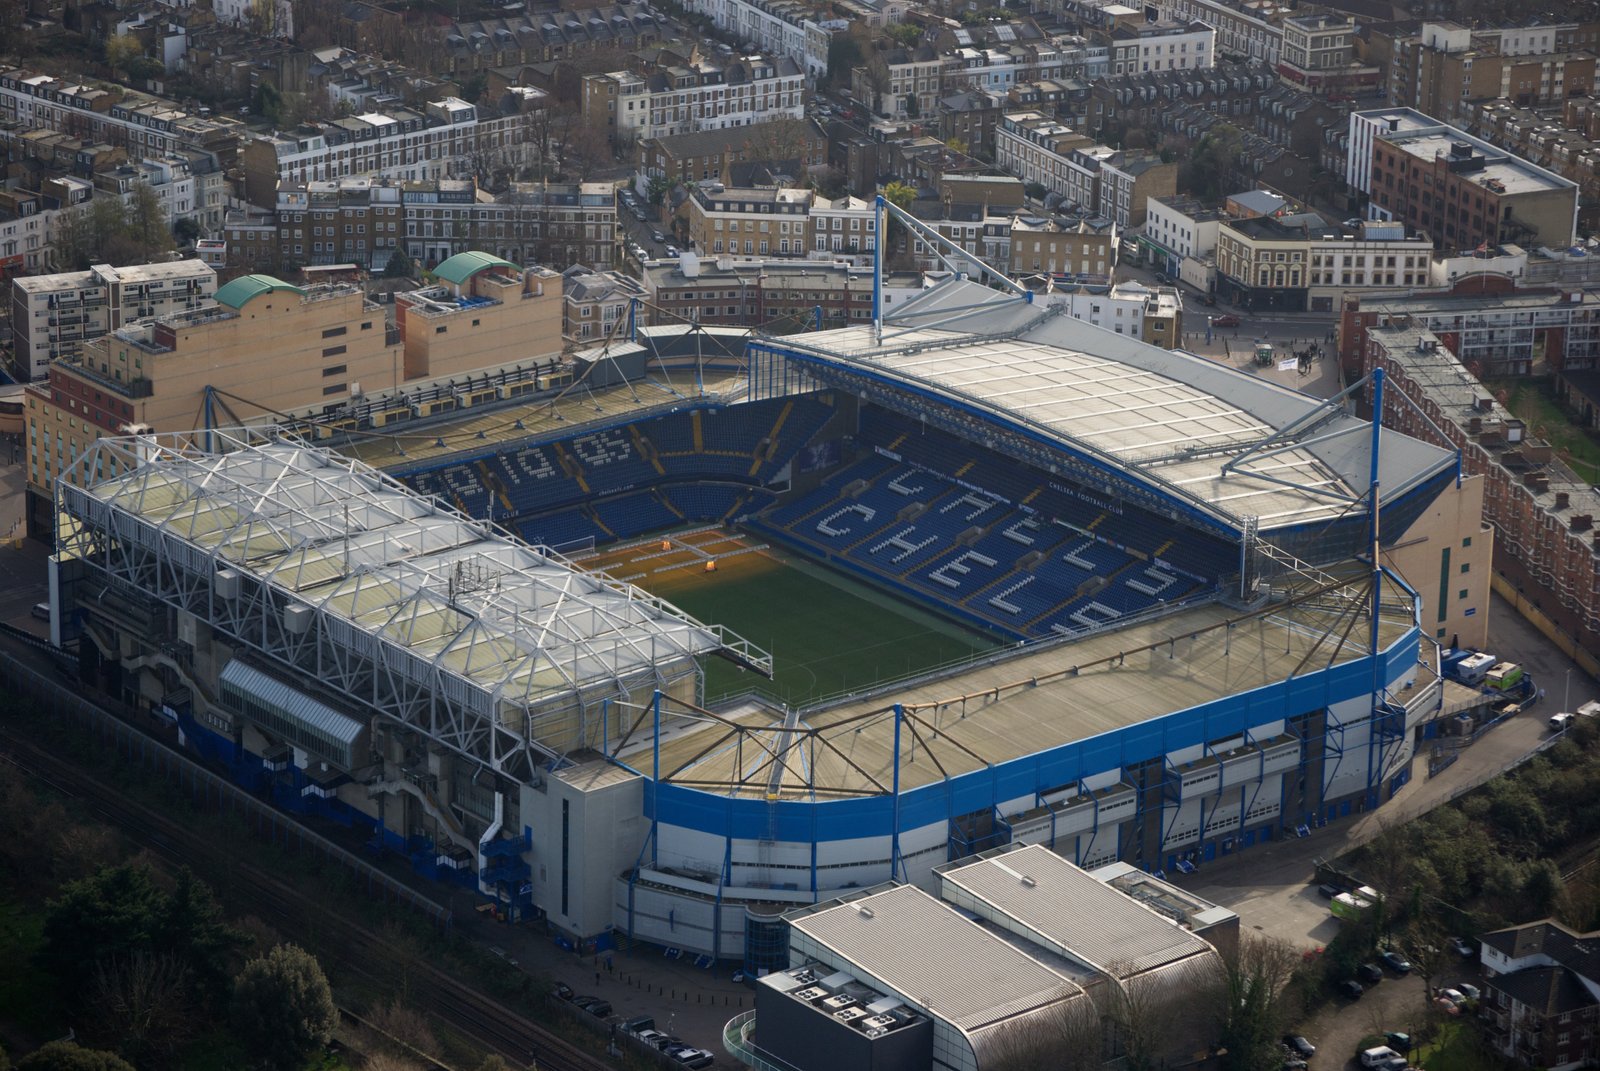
(1473, 668)
(1348, 906)
(1503, 677)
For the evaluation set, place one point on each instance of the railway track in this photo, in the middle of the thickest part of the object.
(344, 946)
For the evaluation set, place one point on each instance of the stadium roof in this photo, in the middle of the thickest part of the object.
(243, 289)
(932, 957)
(1224, 443)
(1063, 906)
(450, 598)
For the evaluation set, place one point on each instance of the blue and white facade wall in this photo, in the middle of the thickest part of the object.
(1176, 791)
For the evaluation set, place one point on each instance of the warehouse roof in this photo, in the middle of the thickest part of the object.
(1064, 907)
(953, 969)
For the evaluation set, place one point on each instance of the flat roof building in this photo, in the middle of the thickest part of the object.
(53, 316)
(1460, 189)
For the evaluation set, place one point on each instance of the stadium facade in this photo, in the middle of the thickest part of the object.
(1198, 657)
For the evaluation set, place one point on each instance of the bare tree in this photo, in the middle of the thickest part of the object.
(876, 76)
(146, 1004)
(1068, 1035)
(778, 142)
(1248, 1000)
(1146, 1009)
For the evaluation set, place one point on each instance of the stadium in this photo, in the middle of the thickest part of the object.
(700, 639)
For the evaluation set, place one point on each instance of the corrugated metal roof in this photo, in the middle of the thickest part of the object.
(241, 290)
(1088, 919)
(295, 703)
(925, 952)
(463, 266)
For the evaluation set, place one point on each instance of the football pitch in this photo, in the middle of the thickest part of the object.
(828, 634)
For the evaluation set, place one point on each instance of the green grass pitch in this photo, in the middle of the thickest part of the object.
(827, 633)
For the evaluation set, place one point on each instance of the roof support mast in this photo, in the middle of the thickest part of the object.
(952, 256)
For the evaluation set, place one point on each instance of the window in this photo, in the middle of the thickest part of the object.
(337, 388)
(1466, 567)
(333, 351)
(333, 332)
(1467, 542)
(333, 370)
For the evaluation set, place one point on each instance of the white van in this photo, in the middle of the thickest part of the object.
(1383, 1058)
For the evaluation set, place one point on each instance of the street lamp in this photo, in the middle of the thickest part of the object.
(1566, 698)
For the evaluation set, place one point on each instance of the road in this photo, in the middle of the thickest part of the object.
(1271, 887)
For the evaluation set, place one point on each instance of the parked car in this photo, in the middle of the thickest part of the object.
(1227, 319)
(638, 1024)
(1299, 1046)
(1468, 990)
(658, 236)
(1454, 996)
(503, 954)
(1396, 962)
(1398, 1041)
(593, 1005)
(1295, 1064)
(672, 252)
(1328, 892)
(1351, 988)
(694, 1057)
(654, 1038)
(1461, 948)
(1370, 973)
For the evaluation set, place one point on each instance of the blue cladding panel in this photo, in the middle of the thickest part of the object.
(934, 803)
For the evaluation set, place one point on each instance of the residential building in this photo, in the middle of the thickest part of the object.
(900, 83)
(273, 18)
(54, 316)
(1459, 188)
(977, 229)
(262, 340)
(1178, 230)
(542, 36)
(1492, 328)
(1163, 45)
(753, 222)
(1542, 512)
(1084, 250)
(685, 98)
(483, 312)
(145, 126)
(1126, 184)
(1443, 68)
(969, 117)
(1318, 55)
(24, 221)
(342, 221)
(1300, 263)
(780, 296)
(1250, 31)
(447, 139)
(1540, 981)
(1152, 314)
(556, 224)
(595, 302)
(1038, 149)
(787, 145)
(796, 31)
(842, 228)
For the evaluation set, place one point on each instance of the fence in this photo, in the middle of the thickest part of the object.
(102, 728)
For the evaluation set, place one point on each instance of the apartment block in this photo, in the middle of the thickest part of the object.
(1488, 326)
(483, 312)
(752, 222)
(782, 296)
(546, 35)
(277, 345)
(447, 139)
(1542, 512)
(685, 98)
(1443, 68)
(900, 83)
(594, 303)
(1460, 189)
(54, 316)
